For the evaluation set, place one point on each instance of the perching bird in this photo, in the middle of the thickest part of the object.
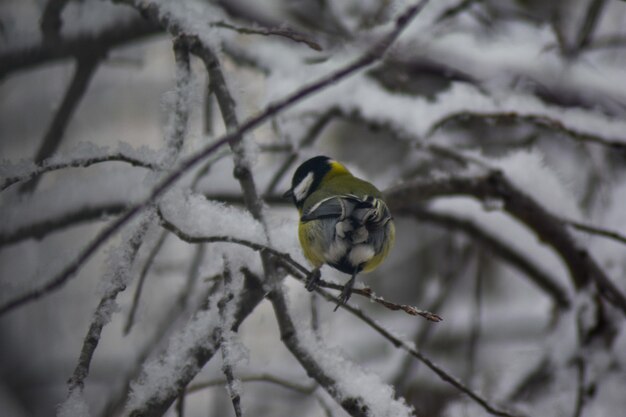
(343, 220)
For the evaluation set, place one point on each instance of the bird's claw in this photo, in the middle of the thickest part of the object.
(344, 296)
(312, 279)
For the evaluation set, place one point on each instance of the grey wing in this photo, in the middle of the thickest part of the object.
(327, 208)
(358, 219)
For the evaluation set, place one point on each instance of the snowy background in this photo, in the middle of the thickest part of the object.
(496, 129)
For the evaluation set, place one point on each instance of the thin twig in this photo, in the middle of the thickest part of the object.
(505, 251)
(180, 405)
(227, 368)
(455, 10)
(51, 22)
(282, 32)
(85, 68)
(45, 167)
(476, 315)
(273, 379)
(610, 234)
(142, 277)
(368, 58)
(75, 45)
(311, 135)
(540, 120)
(39, 228)
(453, 270)
(105, 308)
(588, 26)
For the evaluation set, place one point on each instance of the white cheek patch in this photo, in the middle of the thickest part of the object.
(301, 190)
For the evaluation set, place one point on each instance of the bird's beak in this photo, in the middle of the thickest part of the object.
(288, 193)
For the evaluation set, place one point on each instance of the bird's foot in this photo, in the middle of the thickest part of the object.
(345, 294)
(313, 279)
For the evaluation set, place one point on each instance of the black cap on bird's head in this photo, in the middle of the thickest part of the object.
(308, 177)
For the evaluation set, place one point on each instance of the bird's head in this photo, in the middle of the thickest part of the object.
(311, 175)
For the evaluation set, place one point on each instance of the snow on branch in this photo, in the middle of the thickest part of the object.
(82, 156)
(358, 393)
(119, 276)
(582, 266)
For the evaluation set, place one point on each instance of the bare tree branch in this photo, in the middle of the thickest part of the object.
(540, 120)
(130, 320)
(51, 19)
(76, 45)
(282, 32)
(541, 278)
(457, 9)
(591, 17)
(198, 355)
(312, 134)
(445, 376)
(78, 214)
(582, 267)
(272, 379)
(45, 167)
(355, 406)
(227, 368)
(85, 68)
(610, 234)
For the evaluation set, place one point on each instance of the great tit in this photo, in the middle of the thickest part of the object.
(343, 220)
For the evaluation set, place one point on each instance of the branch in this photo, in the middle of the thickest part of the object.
(76, 163)
(85, 68)
(42, 227)
(582, 266)
(142, 277)
(282, 32)
(368, 58)
(500, 248)
(311, 135)
(539, 120)
(197, 355)
(118, 280)
(227, 107)
(75, 45)
(51, 19)
(610, 234)
(455, 10)
(294, 386)
(227, 368)
(354, 405)
(592, 15)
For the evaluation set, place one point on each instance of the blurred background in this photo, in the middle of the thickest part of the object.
(534, 89)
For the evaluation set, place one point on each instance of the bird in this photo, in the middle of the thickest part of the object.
(344, 221)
